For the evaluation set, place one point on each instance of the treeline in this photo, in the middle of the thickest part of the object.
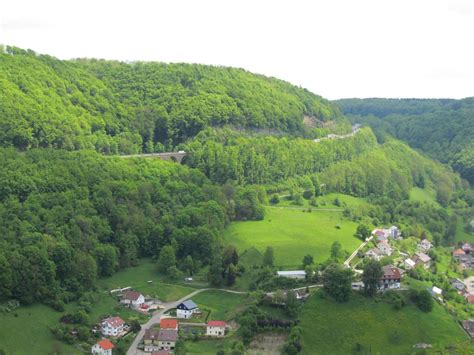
(68, 217)
(390, 171)
(225, 155)
(116, 107)
(444, 129)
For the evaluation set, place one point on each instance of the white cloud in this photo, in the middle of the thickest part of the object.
(339, 48)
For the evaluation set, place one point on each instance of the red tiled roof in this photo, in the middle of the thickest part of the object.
(106, 344)
(168, 323)
(470, 298)
(216, 323)
(114, 321)
(459, 252)
(131, 295)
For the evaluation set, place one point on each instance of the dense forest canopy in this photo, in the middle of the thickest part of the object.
(117, 107)
(69, 217)
(442, 128)
(251, 159)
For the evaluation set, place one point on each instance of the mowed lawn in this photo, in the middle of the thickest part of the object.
(293, 234)
(138, 278)
(223, 305)
(334, 328)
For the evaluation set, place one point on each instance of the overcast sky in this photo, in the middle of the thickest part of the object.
(335, 48)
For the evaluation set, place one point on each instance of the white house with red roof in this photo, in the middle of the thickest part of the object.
(133, 299)
(216, 328)
(103, 347)
(112, 326)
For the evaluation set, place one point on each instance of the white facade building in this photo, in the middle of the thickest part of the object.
(112, 326)
(215, 328)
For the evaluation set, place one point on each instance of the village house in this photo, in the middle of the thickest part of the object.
(421, 258)
(425, 245)
(458, 285)
(385, 248)
(467, 247)
(374, 253)
(386, 233)
(215, 328)
(186, 309)
(169, 323)
(102, 347)
(380, 235)
(469, 298)
(468, 326)
(391, 277)
(293, 274)
(132, 299)
(436, 292)
(167, 339)
(465, 259)
(150, 340)
(112, 326)
(409, 264)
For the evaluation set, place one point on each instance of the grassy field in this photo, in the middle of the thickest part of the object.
(30, 329)
(223, 305)
(376, 326)
(28, 332)
(293, 234)
(137, 277)
(209, 347)
(423, 195)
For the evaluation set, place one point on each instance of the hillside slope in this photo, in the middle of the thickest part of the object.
(444, 129)
(116, 107)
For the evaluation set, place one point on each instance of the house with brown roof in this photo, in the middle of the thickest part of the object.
(391, 277)
(385, 248)
(167, 339)
(132, 299)
(425, 245)
(465, 259)
(162, 339)
(103, 347)
(421, 258)
(374, 253)
(216, 328)
(150, 340)
(112, 326)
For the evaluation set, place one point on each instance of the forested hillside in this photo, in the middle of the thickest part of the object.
(68, 217)
(116, 107)
(228, 155)
(444, 129)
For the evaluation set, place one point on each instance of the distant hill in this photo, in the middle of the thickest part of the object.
(442, 128)
(116, 107)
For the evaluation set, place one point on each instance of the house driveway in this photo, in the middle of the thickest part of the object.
(155, 319)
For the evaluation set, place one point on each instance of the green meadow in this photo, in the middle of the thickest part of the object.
(293, 234)
(26, 331)
(222, 305)
(27, 327)
(338, 328)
